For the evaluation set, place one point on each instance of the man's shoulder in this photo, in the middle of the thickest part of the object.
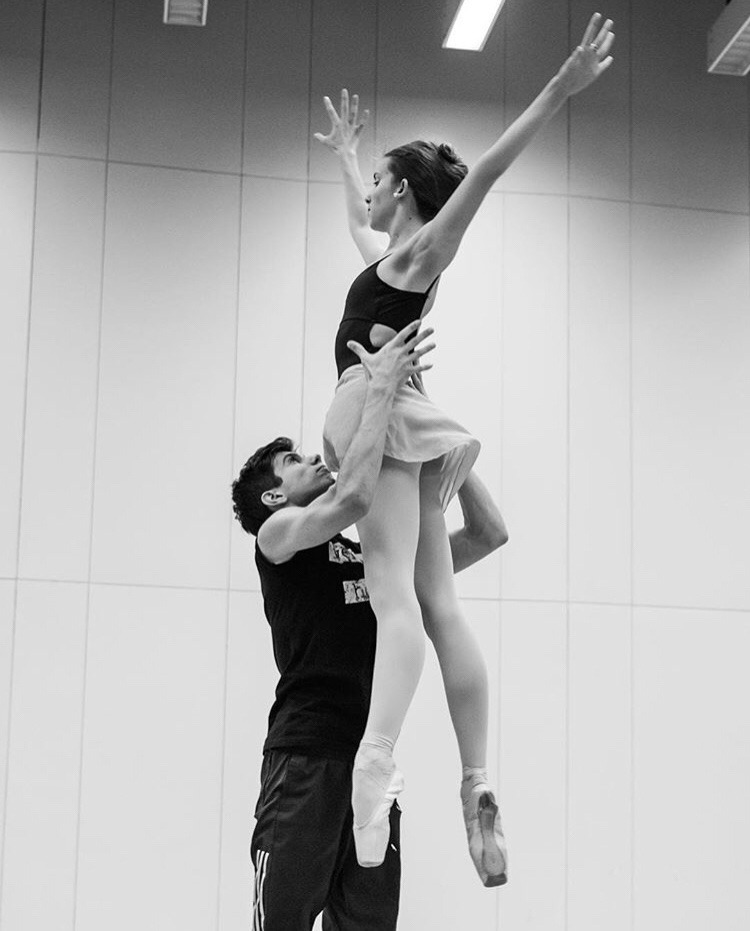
(272, 540)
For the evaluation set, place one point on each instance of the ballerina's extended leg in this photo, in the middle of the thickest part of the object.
(465, 680)
(389, 535)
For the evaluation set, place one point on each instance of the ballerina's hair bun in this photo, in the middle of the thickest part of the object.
(447, 152)
(433, 172)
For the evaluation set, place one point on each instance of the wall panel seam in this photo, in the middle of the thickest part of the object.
(9, 720)
(87, 616)
(631, 451)
(233, 445)
(501, 569)
(599, 198)
(305, 269)
(41, 74)
(709, 609)
(22, 455)
(568, 343)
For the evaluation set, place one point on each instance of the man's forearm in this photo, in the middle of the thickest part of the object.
(482, 516)
(361, 465)
(484, 529)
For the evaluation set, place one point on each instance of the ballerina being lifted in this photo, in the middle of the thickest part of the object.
(423, 197)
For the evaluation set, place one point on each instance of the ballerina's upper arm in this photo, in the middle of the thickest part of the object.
(436, 244)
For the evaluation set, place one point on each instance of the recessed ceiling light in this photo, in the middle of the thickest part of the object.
(472, 24)
(185, 12)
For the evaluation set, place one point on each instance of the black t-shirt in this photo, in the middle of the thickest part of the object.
(323, 631)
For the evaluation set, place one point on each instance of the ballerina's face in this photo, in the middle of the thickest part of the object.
(381, 202)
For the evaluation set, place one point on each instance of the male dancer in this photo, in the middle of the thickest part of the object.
(323, 633)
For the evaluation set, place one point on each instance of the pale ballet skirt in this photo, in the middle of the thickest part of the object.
(418, 431)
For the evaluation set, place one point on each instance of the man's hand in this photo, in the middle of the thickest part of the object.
(399, 359)
(418, 382)
(346, 128)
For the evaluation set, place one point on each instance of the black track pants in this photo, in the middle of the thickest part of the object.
(303, 852)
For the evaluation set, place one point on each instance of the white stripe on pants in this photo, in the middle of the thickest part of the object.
(259, 914)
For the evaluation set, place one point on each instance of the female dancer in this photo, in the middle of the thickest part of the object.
(423, 197)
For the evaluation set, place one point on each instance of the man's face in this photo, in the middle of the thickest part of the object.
(303, 478)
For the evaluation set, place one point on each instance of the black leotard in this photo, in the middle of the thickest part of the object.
(371, 300)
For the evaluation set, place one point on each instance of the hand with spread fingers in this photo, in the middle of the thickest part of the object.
(400, 358)
(590, 59)
(346, 126)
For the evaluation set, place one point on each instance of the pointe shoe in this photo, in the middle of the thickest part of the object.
(484, 832)
(376, 784)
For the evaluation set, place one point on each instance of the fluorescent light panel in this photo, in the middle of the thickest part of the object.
(472, 24)
(729, 40)
(185, 12)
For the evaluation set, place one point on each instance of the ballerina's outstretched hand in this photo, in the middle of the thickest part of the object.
(346, 126)
(590, 59)
(343, 140)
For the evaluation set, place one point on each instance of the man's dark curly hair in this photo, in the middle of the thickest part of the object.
(256, 476)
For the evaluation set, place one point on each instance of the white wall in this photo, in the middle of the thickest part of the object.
(174, 261)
